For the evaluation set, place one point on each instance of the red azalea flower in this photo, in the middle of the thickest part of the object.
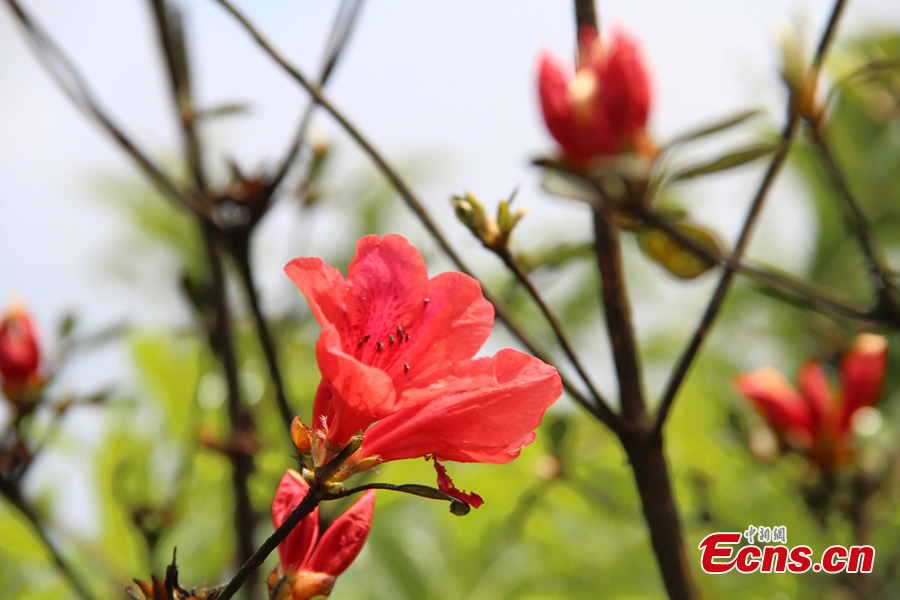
(310, 562)
(396, 357)
(603, 109)
(19, 354)
(812, 420)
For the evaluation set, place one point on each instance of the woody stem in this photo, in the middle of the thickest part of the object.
(644, 450)
(651, 474)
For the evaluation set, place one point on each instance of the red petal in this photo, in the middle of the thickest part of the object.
(625, 91)
(324, 288)
(489, 424)
(360, 394)
(386, 283)
(445, 484)
(296, 549)
(862, 374)
(19, 355)
(559, 112)
(780, 404)
(455, 323)
(342, 542)
(815, 389)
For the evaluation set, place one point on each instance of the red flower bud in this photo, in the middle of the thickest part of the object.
(311, 561)
(19, 354)
(603, 109)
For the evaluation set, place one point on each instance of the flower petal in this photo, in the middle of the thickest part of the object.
(445, 484)
(296, 549)
(862, 375)
(386, 283)
(352, 395)
(343, 540)
(781, 405)
(625, 91)
(324, 288)
(454, 325)
(490, 424)
(817, 392)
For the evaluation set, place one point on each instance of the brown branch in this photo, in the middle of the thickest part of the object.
(586, 14)
(617, 313)
(715, 303)
(502, 311)
(169, 27)
(648, 465)
(266, 340)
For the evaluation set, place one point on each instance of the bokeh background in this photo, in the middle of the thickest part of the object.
(447, 90)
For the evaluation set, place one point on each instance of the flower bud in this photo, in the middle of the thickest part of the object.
(300, 435)
(19, 353)
(602, 110)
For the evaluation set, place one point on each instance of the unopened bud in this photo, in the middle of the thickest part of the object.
(19, 353)
(301, 436)
(309, 476)
(334, 487)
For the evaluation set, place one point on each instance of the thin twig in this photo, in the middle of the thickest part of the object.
(169, 26)
(715, 303)
(74, 86)
(341, 30)
(266, 340)
(502, 312)
(306, 506)
(12, 495)
(507, 257)
(852, 211)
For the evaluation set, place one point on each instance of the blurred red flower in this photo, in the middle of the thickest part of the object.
(603, 109)
(396, 357)
(814, 420)
(19, 354)
(309, 562)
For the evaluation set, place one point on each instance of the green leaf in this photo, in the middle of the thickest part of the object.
(672, 255)
(728, 161)
(715, 127)
(555, 256)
